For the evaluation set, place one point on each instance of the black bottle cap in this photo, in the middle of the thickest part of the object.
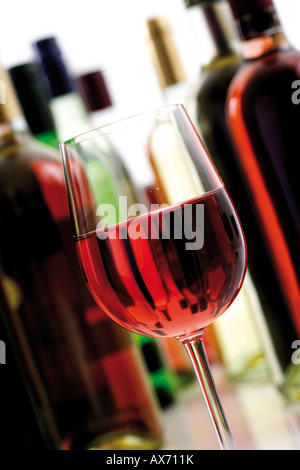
(245, 7)
(94, 90)
(254, 17)
(58, 78)
(28, 82)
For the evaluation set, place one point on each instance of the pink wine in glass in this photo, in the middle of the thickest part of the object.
(170, 272)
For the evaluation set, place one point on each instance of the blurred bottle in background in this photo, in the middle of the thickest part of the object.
(28, 83)
(174, 89)
(237, 332)
(164, 380)
(68, 109)
(219, 48)
(87, 378)
(71, 118)
(264, 124)
(173, 82)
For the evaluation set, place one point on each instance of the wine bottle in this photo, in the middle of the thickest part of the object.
(66, 103)
(174, 85)
(71, 118)
(28, 83)
(263, 121)
(164, 381)
(174, 89)
(87, 378)
(219, 48)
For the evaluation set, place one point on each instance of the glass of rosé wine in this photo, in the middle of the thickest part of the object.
(159, 241)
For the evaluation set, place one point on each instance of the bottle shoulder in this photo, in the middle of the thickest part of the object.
(27, 148)
(16, 157)
(274, 70)
(215, 78)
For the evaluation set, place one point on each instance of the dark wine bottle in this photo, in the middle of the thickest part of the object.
(263, 120)
(87, 379)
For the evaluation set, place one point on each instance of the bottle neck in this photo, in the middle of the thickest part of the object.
(58, 80)
(258, 47)
(67, 107)
(261, 33)
(164, 53)
(216, 22)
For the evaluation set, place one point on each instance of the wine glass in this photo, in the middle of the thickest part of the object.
(158, 238)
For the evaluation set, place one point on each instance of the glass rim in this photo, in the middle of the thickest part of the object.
(111, 127)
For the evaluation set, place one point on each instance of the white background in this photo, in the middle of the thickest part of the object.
(109, 34)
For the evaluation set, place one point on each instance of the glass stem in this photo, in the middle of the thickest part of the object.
(197, 354)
